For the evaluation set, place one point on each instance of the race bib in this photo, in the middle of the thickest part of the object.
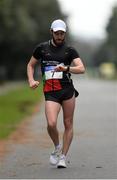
(51, 74)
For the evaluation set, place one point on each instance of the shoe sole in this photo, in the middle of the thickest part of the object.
(61, 167)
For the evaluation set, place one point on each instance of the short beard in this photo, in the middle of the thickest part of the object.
(57, 43)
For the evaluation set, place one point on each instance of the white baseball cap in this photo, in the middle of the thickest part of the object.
(58, 25)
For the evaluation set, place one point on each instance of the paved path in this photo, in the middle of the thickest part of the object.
(93, 153)
(9, 86)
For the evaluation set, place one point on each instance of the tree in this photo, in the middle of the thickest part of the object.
(108, 50)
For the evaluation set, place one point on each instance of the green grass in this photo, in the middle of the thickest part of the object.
(15, 105)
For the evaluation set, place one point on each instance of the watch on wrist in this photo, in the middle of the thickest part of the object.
(68, 68)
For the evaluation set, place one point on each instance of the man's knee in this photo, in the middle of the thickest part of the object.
(68, 123)
(51, 125)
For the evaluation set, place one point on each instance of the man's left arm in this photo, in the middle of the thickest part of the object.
(78, 66)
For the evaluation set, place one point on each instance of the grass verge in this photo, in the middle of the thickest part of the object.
(15, 106)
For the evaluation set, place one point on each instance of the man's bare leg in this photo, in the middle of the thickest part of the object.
(68, 112)
(51, 110)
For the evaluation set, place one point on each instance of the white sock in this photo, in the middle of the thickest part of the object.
(57, 146)
(63, 156)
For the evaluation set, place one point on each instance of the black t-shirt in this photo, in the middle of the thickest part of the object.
(50, 56)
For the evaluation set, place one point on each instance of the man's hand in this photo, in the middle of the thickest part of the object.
(33, 84)
(60, 67)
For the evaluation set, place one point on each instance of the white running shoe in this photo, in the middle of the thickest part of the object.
(61, 162)
(54, 157)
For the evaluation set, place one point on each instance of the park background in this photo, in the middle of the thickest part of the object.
(24, 143)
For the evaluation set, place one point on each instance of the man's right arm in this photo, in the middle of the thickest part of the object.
(30, 73)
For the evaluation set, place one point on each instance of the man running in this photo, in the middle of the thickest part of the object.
(56, 57)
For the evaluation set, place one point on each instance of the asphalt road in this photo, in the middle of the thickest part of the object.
(93, 153)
